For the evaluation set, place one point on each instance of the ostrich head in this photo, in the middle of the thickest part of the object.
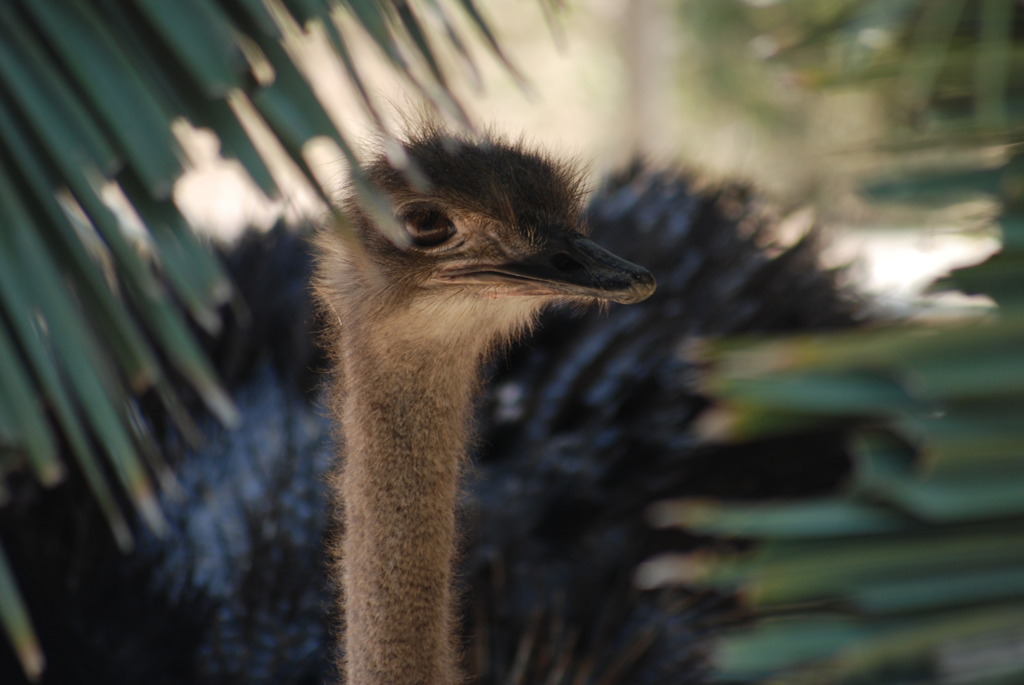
(489, 234)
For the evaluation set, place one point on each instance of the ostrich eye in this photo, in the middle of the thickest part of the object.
(428, 227)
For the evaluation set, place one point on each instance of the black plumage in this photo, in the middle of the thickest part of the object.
(583, 425)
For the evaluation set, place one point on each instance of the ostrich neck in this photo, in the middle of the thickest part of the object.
(406, 410)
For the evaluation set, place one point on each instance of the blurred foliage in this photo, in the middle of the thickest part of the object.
(914, 571)
(98, 297)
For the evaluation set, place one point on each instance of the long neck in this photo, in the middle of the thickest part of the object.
(405, 413)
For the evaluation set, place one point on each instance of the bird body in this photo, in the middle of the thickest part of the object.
(582, 426)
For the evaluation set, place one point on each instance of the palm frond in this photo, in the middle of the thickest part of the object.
(913, 571)
(96, 307)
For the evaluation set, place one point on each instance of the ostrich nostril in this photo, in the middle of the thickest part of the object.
(566, 264)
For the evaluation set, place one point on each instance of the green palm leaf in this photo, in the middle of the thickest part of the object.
(913, 571)
(93, 313)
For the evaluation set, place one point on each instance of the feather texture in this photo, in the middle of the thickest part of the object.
(583, 426)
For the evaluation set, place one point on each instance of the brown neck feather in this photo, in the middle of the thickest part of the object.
(403, 398)
(405, 422)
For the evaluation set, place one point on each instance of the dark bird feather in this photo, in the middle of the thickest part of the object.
(583, 425)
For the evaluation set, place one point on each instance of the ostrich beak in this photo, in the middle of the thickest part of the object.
(570, 266)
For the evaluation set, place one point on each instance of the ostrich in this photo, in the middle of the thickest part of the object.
(584, 424)
(494, 236)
